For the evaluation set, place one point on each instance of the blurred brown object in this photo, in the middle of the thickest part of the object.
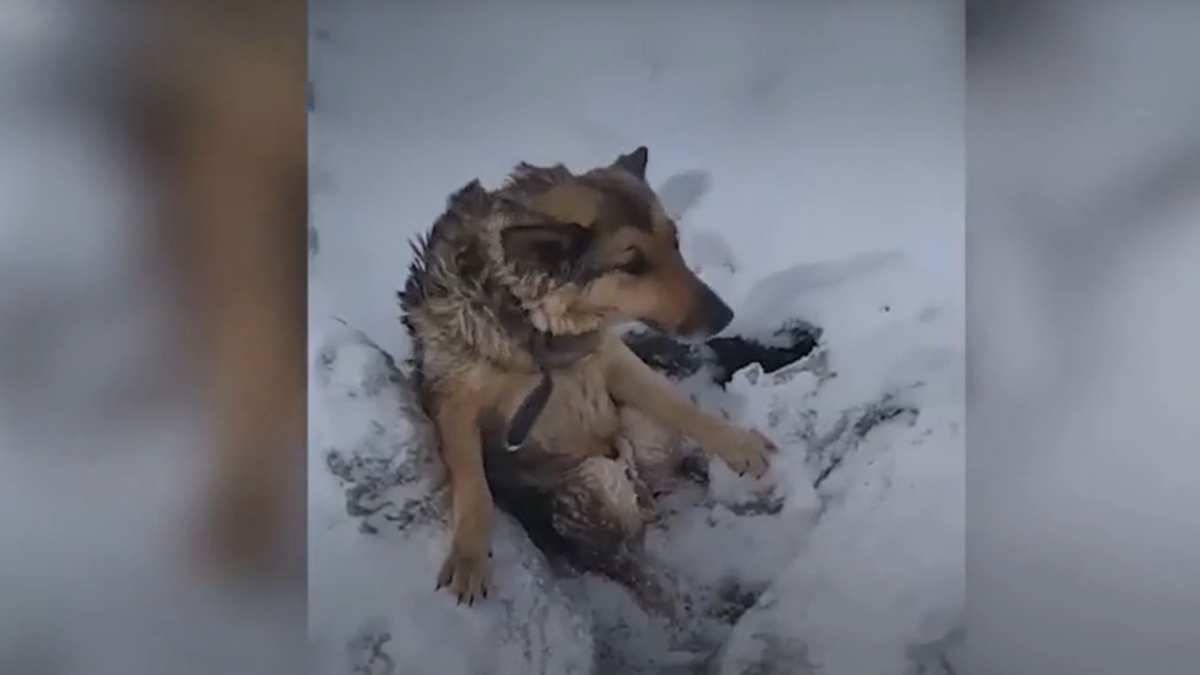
(222, 117)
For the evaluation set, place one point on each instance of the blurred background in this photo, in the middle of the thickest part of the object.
(1083, 236)
(151, 335)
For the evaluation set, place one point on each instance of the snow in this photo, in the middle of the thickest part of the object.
(815, 158)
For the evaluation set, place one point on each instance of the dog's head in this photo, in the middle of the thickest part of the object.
(616, 253)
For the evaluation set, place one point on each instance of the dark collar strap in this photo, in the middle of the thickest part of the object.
(553, 352)
(550, 352)
(527, 413)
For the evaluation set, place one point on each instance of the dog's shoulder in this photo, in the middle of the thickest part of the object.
(526, 180)
(450, 250)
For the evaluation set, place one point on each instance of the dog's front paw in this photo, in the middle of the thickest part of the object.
(465, 573)
(747, 453)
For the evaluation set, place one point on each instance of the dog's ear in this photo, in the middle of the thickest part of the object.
(558, 248)
(635, 162)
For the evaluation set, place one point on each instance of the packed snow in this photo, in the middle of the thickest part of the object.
(814, 158)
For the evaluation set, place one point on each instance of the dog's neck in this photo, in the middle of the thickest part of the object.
(549, 347)
(555, 352)
(548, 352)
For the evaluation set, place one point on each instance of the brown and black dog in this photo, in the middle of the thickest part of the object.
(538, 404)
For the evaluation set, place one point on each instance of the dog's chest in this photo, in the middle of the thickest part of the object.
(580, 417)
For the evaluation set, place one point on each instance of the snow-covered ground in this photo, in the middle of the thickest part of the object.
(815, 157)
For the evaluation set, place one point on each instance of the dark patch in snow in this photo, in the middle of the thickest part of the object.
(694, 467)
(940, 657)
(368, 480)
(734, 598)
(826, 452)
(792, 342)
(326, 359)
(724, 356)
(367, 655)
(781, 656)
(768, 504)
(415, 510)
(377, 374)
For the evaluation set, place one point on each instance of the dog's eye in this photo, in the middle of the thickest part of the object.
(637, 264)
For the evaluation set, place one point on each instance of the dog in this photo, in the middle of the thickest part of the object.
(217, 103)
(539, 407)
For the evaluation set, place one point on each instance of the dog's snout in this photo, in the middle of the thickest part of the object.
(713, 314)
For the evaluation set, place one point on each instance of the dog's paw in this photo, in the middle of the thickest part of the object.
(465, 573)
(748, 453)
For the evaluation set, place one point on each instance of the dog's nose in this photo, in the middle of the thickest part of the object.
(715, 315)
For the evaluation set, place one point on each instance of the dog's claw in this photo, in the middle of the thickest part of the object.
(465, 574)
(747, 454)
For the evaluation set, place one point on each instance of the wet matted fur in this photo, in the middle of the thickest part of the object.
(516, 290)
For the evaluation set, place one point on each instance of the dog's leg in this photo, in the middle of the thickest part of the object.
(633, 383)
(597, 511)
(456, 419)
(659, 454)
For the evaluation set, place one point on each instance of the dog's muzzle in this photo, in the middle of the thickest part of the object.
(711, 316)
